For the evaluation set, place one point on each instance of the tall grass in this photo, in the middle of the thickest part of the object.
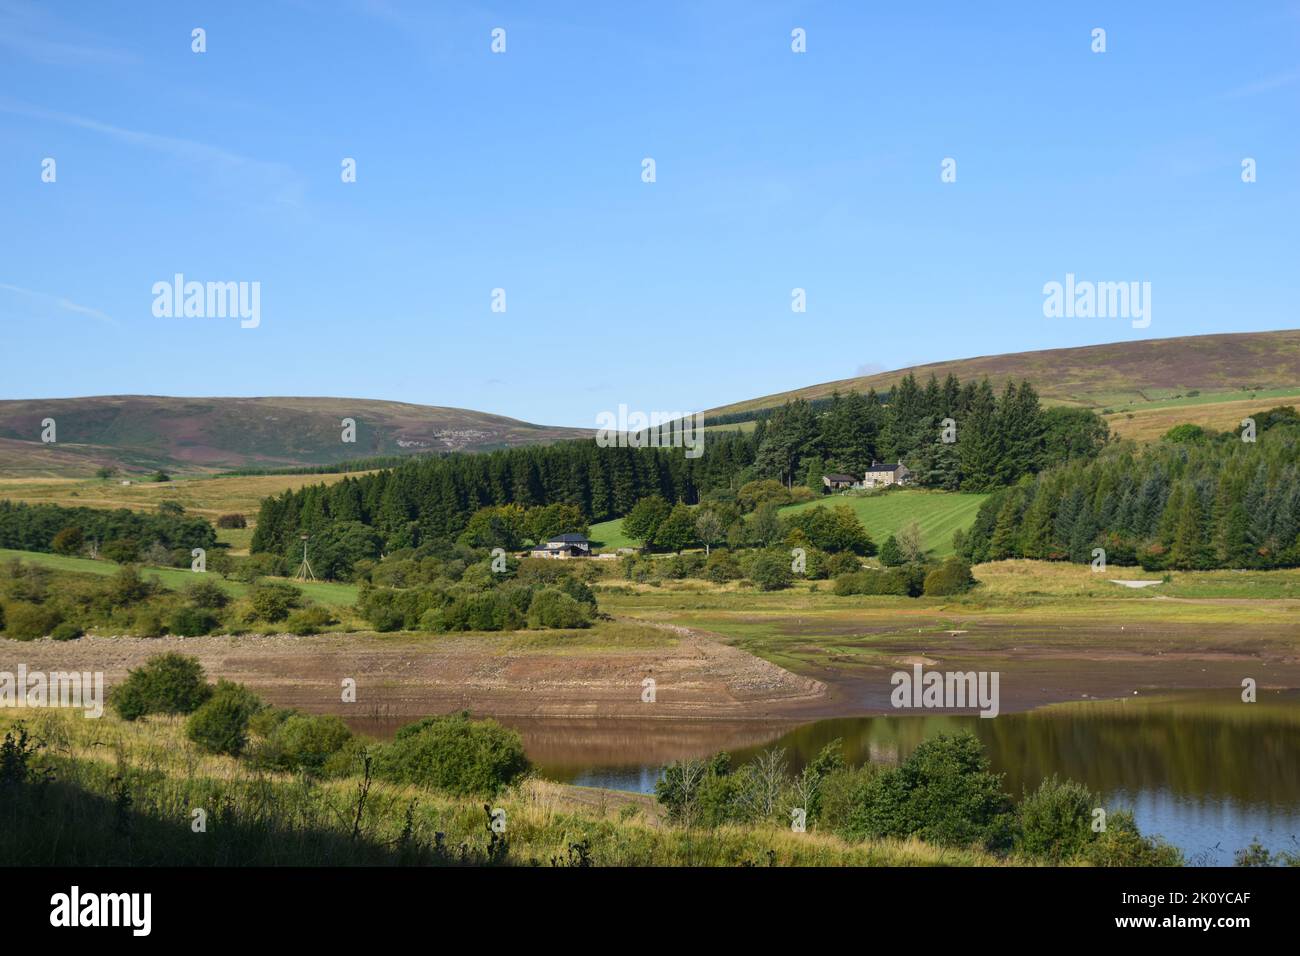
(103, 792)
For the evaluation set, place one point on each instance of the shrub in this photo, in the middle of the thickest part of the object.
(232, 521)
(841, 791)
(148, 622)
(166, 684)
(951, 577)
(771, 572)
(298, 742)
(943, 793)
(551, 607)
(208, 594)
(905, 581)
(310, 620)
(191, 622)
(1121, 844)
(27, 622)
(273, 601)
(1056, 819)
(126, 587)
(721, 566)
(844, 562)
(66, 631)
(220, 725)
(454, 754)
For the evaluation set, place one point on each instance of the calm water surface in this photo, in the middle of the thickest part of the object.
(1204, 770)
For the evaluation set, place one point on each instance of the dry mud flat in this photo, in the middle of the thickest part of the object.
(695, 677)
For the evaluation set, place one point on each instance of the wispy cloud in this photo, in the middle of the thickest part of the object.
(1267, 85)
(280, 179)
(53, 304)
(30, 31)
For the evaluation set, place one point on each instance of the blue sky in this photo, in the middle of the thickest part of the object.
(522, 171)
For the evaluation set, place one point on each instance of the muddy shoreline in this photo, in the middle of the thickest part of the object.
(697, 675)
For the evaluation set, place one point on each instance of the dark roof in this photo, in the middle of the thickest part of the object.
(569, 538)
(884, 466)
(841, 477)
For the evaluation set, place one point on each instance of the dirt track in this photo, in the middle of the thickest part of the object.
(694, 677)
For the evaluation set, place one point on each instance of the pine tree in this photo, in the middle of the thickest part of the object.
(979, 442)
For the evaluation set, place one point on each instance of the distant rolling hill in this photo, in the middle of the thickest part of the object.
(1129, 374)
(137, 433)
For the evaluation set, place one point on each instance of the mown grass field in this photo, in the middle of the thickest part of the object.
(938, 513)
(609, 535)
(325, 592)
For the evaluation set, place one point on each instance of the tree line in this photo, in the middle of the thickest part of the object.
(951, 436)
(47, 527)
(998, 440)
(1194, 500)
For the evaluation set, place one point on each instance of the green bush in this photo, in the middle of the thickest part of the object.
(126, 587)
(771, 572)
(166, 684)
(191, 622)
(721, 567)
(297, 742)
(1121, 844)
(220, 725)
(148, 622)
(553, 608)
(841, 791)
(1056, 819)
(27, 622)
(265, 721)
(905, 581)
(843, 562)
(310, 620)
(272, 601)
(454, 754)
(206, 593)
(943, 793)
(66, 631)
(951, 577)
(891, 555)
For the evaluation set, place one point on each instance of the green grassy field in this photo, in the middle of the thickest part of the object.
(938, 513)
(326, 592)
(609, 535)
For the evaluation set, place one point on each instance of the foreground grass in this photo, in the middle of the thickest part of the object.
(126, 794)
